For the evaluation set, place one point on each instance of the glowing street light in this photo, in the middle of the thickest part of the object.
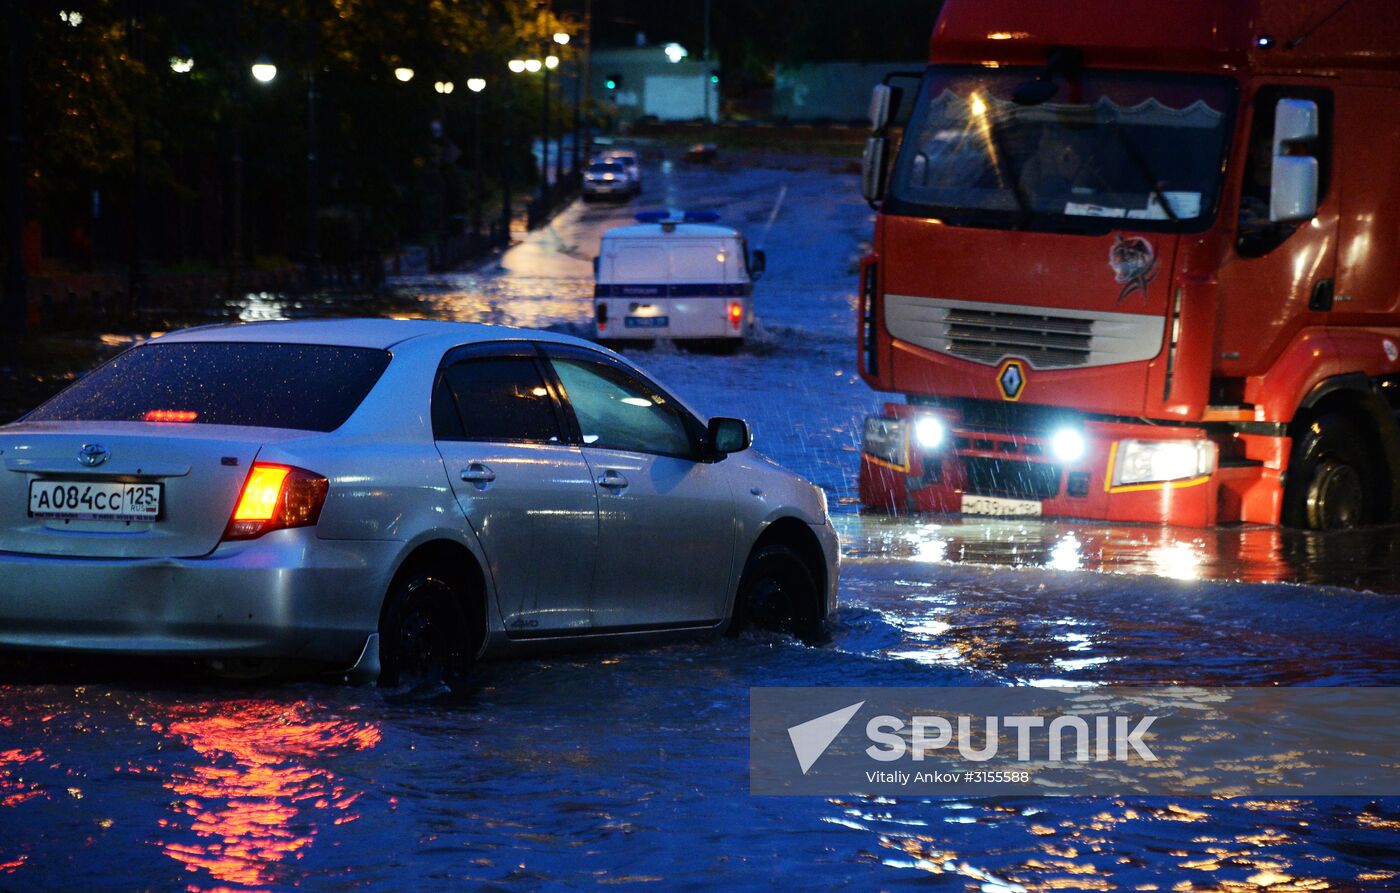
(516, 65)
(443, 87)
(561, 38)
(181, 64)
(72, 18)
(476, 85)
(551, 62)
(675, 52)
(263, 70)
(404, 74)
(532, 65)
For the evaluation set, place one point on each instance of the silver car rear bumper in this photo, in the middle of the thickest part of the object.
(285, 595)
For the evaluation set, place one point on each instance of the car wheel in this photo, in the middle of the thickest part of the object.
(1332, 478)
(777, 594)
(424, 637)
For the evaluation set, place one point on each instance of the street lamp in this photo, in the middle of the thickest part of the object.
(532, 65)
(551, 62)
(404, 74)
(476, 85)
(561, 38)
(516, 65)
(181, 64)
(443, 87)
(675, 52)
(263, 70)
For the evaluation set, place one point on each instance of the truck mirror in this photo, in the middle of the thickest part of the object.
(1293, 187)
(595, 266)
(1294, 120)
(872, 168)
(1293, 191)
(758, 262)
(880, 106)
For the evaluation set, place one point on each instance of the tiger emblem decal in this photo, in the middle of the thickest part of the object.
(1134, 264)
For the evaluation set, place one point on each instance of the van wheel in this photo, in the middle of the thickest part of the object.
(424, 637)
(1331, 477)
(777, 594)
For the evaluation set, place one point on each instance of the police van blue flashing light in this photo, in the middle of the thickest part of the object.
(678, 217)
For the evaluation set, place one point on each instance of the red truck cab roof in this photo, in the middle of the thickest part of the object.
(1204, 35)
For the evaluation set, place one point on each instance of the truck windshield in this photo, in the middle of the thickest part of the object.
(1109, 150)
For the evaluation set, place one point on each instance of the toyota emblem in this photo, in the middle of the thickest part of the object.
(93, 454)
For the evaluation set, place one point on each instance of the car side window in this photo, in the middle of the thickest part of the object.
(494, 398)
(617, 411)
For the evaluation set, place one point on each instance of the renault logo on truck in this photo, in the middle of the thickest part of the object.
(1011, 378)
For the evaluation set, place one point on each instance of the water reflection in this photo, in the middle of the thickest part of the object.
(1361, 559)
(260, 796)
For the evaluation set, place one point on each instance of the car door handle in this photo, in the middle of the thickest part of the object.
(612, 479)
(478, 473)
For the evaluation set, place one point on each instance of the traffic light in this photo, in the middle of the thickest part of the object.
(714, 76)
(613, 82)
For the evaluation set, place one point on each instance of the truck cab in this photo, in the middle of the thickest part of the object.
(1136, 262)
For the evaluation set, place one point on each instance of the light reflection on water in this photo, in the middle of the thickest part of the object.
(259, 797)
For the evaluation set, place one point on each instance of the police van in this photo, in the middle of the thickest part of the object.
(676, 275)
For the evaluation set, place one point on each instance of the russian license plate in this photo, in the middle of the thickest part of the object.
(647, 322)
(995, 505)
(94, 500)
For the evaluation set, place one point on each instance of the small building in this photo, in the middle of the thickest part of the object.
(831, 91)
(654, 81)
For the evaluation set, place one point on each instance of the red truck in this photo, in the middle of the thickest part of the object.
(1140, 261)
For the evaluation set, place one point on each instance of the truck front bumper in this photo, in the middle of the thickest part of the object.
(975, 470)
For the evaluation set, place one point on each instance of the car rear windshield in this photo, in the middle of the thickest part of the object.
(309, 387)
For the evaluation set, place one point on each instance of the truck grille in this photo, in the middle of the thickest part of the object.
(1011, 478)
(1048, 342)
(1047, 338)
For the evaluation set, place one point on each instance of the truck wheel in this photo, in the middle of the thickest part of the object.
(777, 594)
(1331, 477)
(424, 636)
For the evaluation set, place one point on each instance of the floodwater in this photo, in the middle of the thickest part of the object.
(630, 768)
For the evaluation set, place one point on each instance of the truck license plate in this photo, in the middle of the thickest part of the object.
(995, 505)
(94, 500)
(648, 322)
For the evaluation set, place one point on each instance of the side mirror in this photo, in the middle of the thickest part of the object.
(758, 262)
(596, 261)
(729, 436)
(881, 106)
(872, 168)
(1294, 178)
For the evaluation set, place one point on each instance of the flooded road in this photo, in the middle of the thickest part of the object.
(631, 768)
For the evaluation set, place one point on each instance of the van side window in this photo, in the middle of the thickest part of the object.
(1256, 234)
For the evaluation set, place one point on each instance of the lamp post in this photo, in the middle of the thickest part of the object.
(476, 85)
(544, 136)
(562, 39)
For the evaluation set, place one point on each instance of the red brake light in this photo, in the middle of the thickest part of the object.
(170, 415)
(275, 497)
(736, 314)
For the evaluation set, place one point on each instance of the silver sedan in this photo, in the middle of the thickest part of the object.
(395, 497)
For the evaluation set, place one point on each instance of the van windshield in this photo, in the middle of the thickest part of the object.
(604, 168)
(1109, 150)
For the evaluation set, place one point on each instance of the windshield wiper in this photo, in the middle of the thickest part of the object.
(1145, 169)
(1010, 175)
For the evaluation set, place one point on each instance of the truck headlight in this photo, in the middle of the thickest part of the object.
(1156, 461)
(884, 440)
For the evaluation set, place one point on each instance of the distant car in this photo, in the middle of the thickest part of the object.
(629, 160)
(608, 178)
(702, 153)
(675, 275)
(401, 497)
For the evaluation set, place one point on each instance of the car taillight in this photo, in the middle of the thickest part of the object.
(736, 314)
(275, 497)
